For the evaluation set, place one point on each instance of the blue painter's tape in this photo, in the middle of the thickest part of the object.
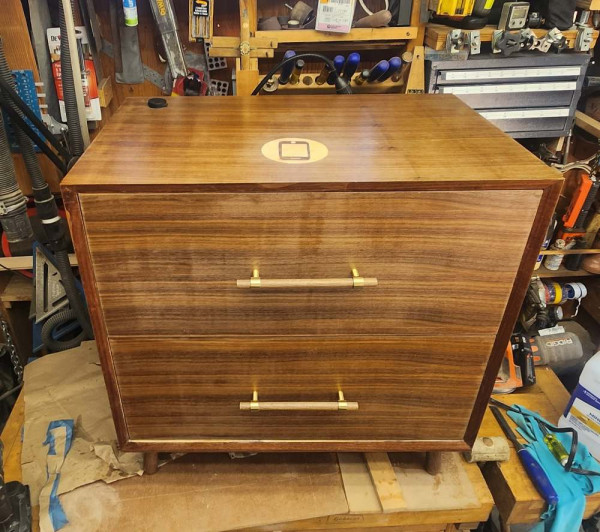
(57, 514)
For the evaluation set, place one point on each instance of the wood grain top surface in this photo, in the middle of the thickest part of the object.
(369, 138)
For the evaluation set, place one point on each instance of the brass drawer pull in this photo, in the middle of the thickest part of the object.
(340, 404)
(345, 282)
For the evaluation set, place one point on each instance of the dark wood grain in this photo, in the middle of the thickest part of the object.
(370, 138)
(402, 385)
(432, 253)
(517, 294)
(168, 209)
(78, 236)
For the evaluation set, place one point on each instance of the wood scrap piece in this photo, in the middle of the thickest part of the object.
(360, 491)
(416, 75)
(385, 482)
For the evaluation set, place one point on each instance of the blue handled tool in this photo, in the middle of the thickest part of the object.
(284, 77)
(351, 65)
(531, 465)
(338, 63)
(395, 64)
(378, 70)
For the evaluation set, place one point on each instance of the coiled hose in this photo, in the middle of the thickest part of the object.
(68, 279)
(13, 212)
(25, 143)
(55, 230)
(68, 84)
(60, 318)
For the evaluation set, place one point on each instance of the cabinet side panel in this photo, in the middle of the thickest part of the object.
(532, 249)
(79, 237)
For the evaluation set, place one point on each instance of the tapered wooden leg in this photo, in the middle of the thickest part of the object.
(433, 462)
(150, 463)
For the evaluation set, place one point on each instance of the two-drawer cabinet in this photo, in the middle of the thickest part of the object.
(304, 273)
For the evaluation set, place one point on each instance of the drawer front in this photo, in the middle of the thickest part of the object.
(407, 388)
(432, 253)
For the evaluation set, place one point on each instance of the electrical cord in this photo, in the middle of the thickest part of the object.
(368, 11)
(341, 85)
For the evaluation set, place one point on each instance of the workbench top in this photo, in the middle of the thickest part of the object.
(516, 497)
(383, 140)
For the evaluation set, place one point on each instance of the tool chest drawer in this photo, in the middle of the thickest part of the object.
(394, 387)
(532, 95)
(200, 282)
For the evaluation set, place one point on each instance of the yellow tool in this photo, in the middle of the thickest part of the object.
(553, 443)
(460, 8)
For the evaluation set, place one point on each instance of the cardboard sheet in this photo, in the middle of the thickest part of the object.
(69, 385)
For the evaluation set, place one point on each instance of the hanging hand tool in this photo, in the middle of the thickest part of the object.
(395, 64)
(378, 70)
(286, 71)
(295, 75)
(164, 16)
(338, 62)
(533, 468)
(351, 65)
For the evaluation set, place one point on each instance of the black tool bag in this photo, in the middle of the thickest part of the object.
(558, 13)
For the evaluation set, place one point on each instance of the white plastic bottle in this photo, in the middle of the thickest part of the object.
(583, 411)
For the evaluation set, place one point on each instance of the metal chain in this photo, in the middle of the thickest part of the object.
(14, 356)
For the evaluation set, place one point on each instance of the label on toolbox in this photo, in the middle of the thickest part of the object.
(335, 15)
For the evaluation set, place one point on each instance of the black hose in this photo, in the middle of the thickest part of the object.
(60, 318)
(13, 204)
(48, 211)
(68, 280)
(68, 84)
(27, 149)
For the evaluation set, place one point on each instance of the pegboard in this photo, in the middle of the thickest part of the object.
(26, 89)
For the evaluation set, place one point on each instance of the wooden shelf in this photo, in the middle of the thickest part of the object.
(435, 35)
(18, 289)
(356, 35)
(544, 273)
(313, 88)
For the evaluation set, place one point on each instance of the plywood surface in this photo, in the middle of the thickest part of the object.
(370, 138)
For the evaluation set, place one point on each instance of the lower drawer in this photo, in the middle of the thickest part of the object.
(408, 389)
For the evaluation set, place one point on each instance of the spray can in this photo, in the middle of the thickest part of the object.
(130, 11)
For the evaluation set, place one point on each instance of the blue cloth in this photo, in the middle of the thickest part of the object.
(572, 488)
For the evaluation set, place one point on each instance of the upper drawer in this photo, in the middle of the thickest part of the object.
(167, 264)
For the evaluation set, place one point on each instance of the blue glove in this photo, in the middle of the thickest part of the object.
(572, 488)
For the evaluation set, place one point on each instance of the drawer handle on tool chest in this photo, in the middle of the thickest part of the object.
(345, 282)
(340, 404)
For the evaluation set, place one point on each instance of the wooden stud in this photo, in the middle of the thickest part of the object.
(105, 92)
(385, 482)
(416, 77)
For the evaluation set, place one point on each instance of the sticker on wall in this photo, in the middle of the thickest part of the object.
(294, 150)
